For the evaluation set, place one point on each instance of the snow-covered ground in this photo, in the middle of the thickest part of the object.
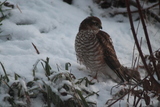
(51, 25)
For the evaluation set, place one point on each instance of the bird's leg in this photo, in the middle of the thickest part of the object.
(95, 77)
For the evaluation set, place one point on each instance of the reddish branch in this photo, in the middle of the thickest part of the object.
(135, 35)
(148, 85)
(145, 10)
(147, 38)
(129, 90)
(159, 7)
(36, 49)
(136, 40)
(135, 11)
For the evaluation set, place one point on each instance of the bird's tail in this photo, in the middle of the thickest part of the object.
(127, 74)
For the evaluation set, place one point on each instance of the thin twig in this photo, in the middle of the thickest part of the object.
(133, 56)
(134, 65)
(123, 95)
(139, 55)
(36, 49)
(159, 7)
(135, 11)
(137, 43)
(18, 8)
(147, 38)
(128, 94)
(129, 90)
(134, 101)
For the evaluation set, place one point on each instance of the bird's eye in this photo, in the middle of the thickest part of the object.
(95, 23)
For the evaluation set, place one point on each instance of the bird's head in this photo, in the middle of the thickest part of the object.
(91, 23)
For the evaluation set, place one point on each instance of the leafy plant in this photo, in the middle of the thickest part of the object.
(61, 89)
(3, 15)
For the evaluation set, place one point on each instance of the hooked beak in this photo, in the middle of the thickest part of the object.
(100, 27)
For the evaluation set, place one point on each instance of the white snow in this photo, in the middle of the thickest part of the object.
(52, 26)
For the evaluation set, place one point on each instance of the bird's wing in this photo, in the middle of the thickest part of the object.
(110, 56)
(108, 50)
(111, 59)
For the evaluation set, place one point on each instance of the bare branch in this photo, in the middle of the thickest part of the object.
(36, 49)
(147, 37)
(136, 41)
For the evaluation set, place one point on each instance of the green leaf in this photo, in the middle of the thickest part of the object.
(82, 98)
(16, 76)
(4, 72)
(67, 65)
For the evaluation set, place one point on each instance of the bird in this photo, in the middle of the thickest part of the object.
(94, 49)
